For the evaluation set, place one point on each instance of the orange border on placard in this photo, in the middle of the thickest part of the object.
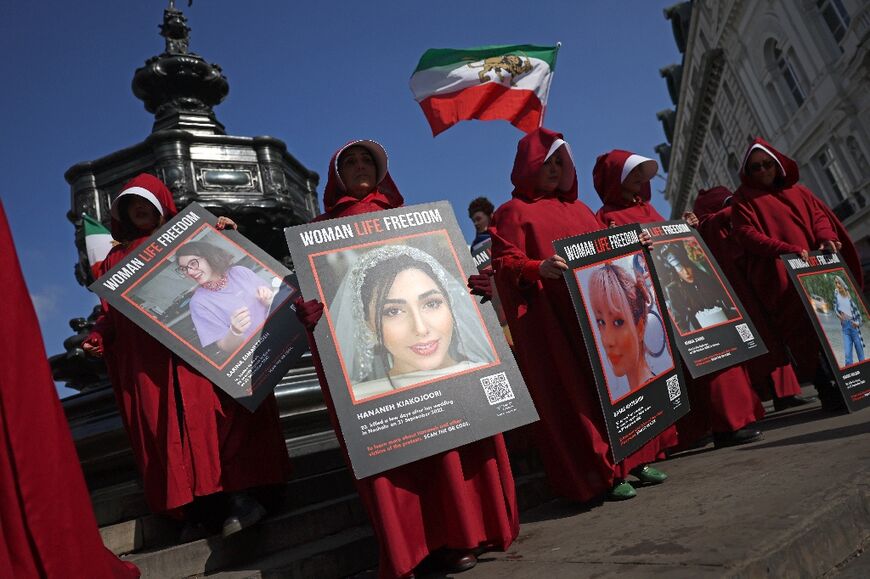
(328, 315)
(721, 284)
(179, 338)
(860, 302)
(595, 340)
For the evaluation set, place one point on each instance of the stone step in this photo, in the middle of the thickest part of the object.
(354, 550)
(332, 542)
(281, 532)
(125, 501)
(149, 531)
(339, 555)
(119, 502)
(146, 532)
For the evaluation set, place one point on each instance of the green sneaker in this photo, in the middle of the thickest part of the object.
(649, 475)
(621, 492)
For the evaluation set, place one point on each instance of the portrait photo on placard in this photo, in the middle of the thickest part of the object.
(840, 314)
(626, 319)
(210, 294)
(695, 296)
(401, 315)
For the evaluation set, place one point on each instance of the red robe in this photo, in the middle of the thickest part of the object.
(772, 369)
(616, 210)
(189, 438)
(460, 499)
(787, 218)
(47, 525)
(548, 344)
(720, 402)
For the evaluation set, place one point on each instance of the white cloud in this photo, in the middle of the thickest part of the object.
(45, 301)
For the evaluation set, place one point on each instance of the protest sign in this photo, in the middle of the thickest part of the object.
(619, 307)
(482, 256)
(711, 326)
(415, 365)
(215, 299)
(838, 313)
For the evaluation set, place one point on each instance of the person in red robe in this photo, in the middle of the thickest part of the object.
(450, 504)
(771, 374)
(724, 402)
(774, 215)
(190, 439)
(571, 435)
(47, 525)
(622, 181)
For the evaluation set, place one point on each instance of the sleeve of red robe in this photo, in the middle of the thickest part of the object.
(511, 270)
(103, 326)
(823, 229)
(509, 261)
(749, 235)
(714, 223)
(848, 251)
(47, 525)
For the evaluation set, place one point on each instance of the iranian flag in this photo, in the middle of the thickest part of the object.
(98, 242)
(489, 83)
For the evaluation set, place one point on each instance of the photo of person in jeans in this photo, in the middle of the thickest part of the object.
(850, 321)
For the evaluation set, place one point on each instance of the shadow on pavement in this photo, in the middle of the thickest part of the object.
(784, 419)
(832, 434)
(704, 447)
(558, 509)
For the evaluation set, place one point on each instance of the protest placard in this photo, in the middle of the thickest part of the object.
(415, 364)
(712, 329)
(215, 299)
(838, 313)
(619, 307)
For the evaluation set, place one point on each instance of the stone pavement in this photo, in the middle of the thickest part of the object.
(796, 504)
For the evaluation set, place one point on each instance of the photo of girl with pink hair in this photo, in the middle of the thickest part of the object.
(620, 307)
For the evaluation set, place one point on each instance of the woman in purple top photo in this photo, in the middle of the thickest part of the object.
(231, 301)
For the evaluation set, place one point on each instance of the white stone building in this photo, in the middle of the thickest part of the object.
(796, 72)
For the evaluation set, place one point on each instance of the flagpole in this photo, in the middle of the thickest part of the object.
(544, 112)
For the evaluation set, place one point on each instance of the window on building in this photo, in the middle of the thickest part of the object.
(857, 156)
(835, 16)
(777, 101)
(702, 38)
(717, 129)
(704, 176)
(726, 90)
(733, 164)
(789, 75)
(836, 180)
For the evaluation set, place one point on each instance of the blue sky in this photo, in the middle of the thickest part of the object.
(314, 74)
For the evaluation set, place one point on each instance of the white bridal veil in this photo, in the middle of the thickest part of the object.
(356, 341)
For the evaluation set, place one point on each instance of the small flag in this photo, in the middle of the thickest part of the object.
(98, 242)
(509, 83)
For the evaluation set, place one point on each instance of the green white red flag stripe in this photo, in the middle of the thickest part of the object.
(98, 241)
(505, 82)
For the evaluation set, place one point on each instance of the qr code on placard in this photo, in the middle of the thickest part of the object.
(673, 387)
(497, 388)
(744, 332)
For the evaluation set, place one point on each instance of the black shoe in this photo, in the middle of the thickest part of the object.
(244, 512)
(192, 532)
(741, 436)
(792, 402)
(458, 561)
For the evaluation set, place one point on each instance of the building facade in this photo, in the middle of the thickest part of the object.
(796, 72)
